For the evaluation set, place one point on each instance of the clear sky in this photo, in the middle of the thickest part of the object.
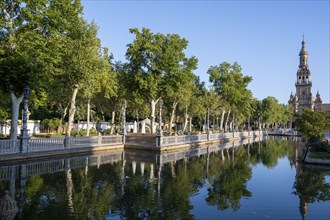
(264, 37)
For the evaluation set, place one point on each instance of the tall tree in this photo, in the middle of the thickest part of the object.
(153, 59)
(32, 36)
(82, 65)
(229, 82)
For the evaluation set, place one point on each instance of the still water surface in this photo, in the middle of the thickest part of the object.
(260, 180)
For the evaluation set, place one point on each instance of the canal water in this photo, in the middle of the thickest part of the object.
(258, 180)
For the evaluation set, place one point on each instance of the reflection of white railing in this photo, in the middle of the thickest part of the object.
(44, 167)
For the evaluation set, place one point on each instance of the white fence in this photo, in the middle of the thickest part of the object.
(54, 144)
(51, 144)
(188, 139)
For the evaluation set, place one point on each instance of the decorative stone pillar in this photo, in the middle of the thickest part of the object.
(24, 137)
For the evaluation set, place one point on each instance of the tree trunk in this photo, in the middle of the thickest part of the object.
(233, 123)
(15, 102)
(113, 115)
(172, 116)
(222, 118)
(62, 118)
(226, 125)
(186, 117)
(190, 124)
(102, 113)
(72, 110)
(152, 116)
(88, 114)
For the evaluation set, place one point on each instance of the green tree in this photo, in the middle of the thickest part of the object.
(33, 34)
(313, 125)
(158, 67)
(229, 82)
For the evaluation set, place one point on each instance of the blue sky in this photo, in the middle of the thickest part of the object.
(264, 37)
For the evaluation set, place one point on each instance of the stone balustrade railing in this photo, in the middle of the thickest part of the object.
(63, 143)
(9, 146)
(60, 165)
(188, 139)
(52, 144)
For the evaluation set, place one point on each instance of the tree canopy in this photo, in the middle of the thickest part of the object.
(313, 125)
(48, 46)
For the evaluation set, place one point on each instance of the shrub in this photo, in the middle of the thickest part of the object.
(107, 132)
(51, 124)
(73, 133)
(92, 132)
(320, 146)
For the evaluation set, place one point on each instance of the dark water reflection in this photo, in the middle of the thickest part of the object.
(260, 180)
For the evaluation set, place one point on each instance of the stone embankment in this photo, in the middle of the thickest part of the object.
(53, 147)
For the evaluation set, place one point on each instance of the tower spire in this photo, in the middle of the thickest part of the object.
(303, 54)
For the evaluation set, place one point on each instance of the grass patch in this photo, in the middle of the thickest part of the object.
(320, 155)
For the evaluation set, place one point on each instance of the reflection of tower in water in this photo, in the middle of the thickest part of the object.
(296, 160)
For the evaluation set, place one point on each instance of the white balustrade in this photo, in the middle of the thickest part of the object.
(9, 146)
(45, 144)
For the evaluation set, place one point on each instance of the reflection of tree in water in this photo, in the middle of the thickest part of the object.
(46, 197)
(229, 174)
(228, 186)
(310, 186)
(113, 189)
(92, 191)
(269, 152)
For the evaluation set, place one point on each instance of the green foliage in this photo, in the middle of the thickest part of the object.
(158, 67)
(319, 145)
(229, 82)
(51, 124)
(92, 132)
(4, 115)
(313, 125)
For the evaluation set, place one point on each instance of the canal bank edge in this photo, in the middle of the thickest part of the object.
(93, 149)
(317, 161)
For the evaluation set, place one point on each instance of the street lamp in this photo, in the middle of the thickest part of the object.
(160, 105)
(24, 131)
(208, 124)
(124, 120)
